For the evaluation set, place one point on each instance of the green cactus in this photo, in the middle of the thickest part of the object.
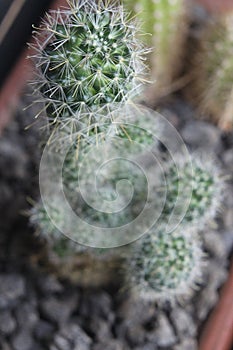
(164, 265)
(90, 64)
(166, 21)
(39, 216)
(207, 189)
(217, 71)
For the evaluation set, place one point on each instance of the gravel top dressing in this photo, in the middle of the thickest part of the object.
(38, 311)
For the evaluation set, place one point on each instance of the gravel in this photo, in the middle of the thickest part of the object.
(200, 135)
(38, 311)
(12, 288)
(7, 323)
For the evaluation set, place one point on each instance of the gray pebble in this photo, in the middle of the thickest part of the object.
(62, 343)
(164, 334)
(49, 284)
(206, 302)
(228, 219)
(227, 237)
(22, 341)
(27, 312)
(216, 275)
(58, 310)
(100, 328)
(71, 337)
(4, 345)
(111, 344)
(187, 344)
(7, 323)
(135, 334)
(228, 159)
(136, 310)
(214, 243)
(183, 322)
(13, 158)
(12, 288)
(44, 331)
(99, 304)
(199, 134)
(147, 346)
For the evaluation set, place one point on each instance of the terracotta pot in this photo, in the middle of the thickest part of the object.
(218, 331)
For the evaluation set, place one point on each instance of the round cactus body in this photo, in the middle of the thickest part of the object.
(207, 190)
(163, 265)
(90, 62)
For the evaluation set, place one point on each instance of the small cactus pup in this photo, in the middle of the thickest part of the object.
(165, 265)
(89, 62)
(88, 266)
(167, 22)
(207, 186)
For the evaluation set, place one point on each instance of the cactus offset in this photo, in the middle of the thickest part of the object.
(165, 265)
(207, 189)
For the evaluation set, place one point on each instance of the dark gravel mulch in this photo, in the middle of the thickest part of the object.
(39, 312)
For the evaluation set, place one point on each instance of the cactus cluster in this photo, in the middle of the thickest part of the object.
(90, 65)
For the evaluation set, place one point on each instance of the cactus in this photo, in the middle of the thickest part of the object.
(207, 189)
(163, 265)
(89, 64)
(166, 21)
(217, 69)
(211, 88)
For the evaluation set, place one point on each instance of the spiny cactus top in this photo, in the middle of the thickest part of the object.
(88, 60)
(207, 189)
(163, 265)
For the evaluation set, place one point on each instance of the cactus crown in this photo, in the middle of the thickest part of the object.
(165, 264)
(207, 189)
(89, 63)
